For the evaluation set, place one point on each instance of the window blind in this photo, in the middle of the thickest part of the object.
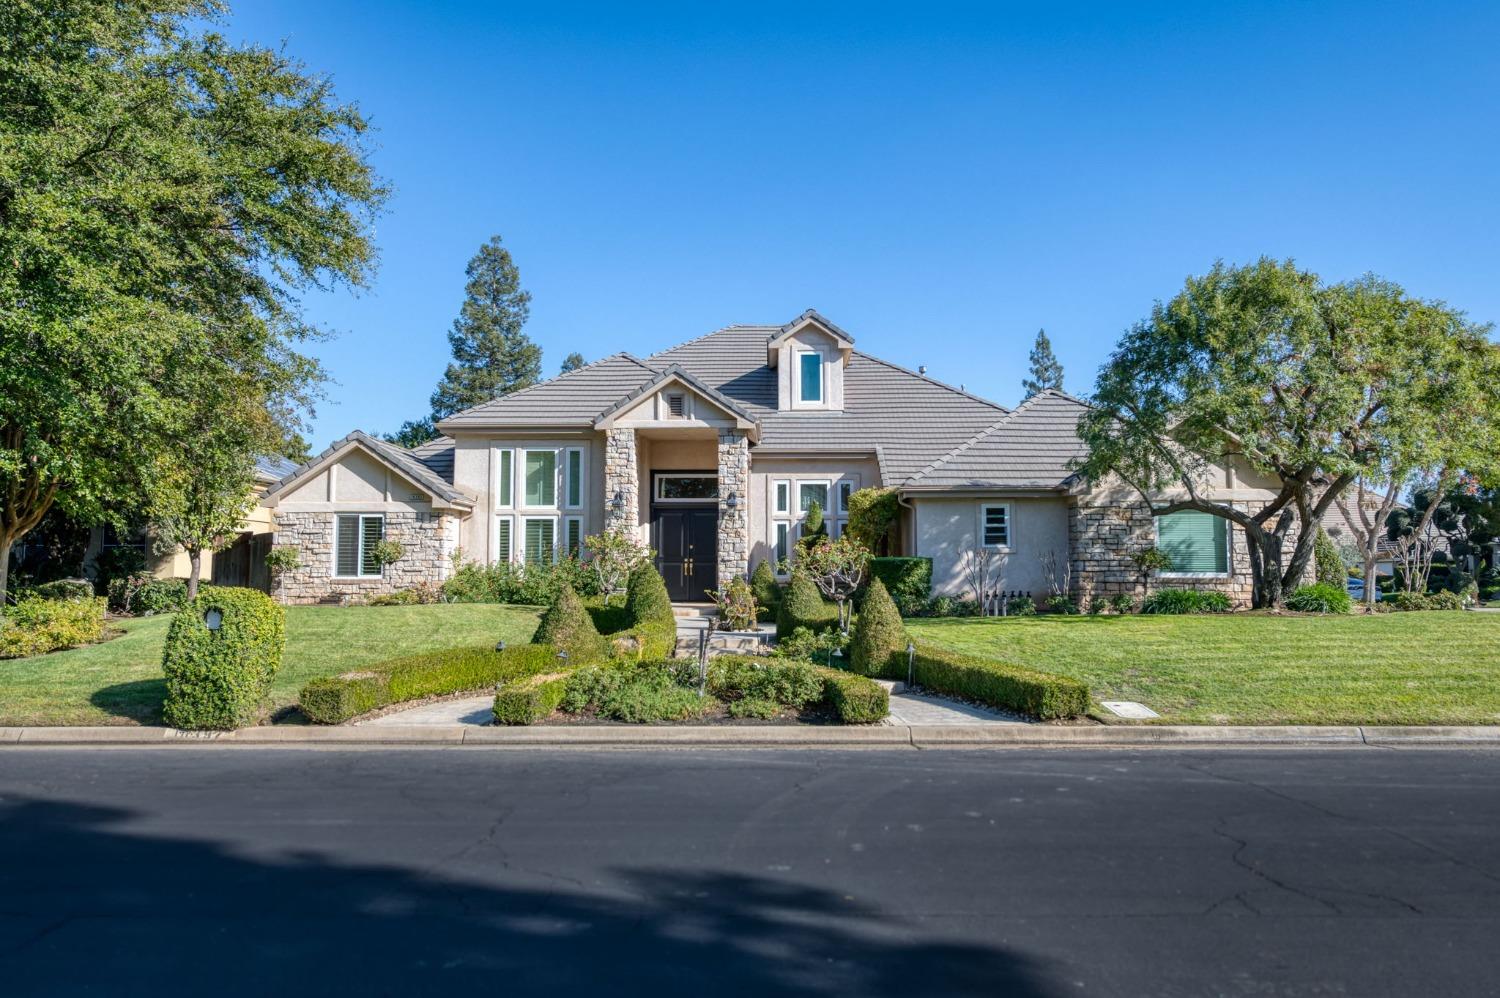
(541, 478)
(1195, 541)
(575, 537)
(503, 552)
(996, 526)
(346, 546)
(539, 541)
(372, 529)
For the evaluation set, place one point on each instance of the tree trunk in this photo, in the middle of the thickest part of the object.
(195, 559)
(1369, 599)
(5, 542)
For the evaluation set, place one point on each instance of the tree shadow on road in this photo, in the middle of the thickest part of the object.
(92, 906)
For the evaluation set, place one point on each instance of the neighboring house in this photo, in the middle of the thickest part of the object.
(713, 451)
(242, 563)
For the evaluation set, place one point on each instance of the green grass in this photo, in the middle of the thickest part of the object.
(120, 681)
(1398, 668)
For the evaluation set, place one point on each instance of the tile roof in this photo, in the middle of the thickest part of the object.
(574, 399)
(1031, 448)
(437, 455)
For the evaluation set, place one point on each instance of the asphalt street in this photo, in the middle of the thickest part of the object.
(210, 871)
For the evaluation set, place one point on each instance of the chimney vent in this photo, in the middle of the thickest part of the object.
(922, 369)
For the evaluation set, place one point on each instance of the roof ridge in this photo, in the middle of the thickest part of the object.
(547, 381)
(931, 381)
(715, 332)
(965, 445)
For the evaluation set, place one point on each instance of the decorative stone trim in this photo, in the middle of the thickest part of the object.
(429, 540)
(734, 524)
(621, 477)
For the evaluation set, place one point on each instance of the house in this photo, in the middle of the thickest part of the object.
(713, 451)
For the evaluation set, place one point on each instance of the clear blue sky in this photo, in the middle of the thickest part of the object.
(939, 180)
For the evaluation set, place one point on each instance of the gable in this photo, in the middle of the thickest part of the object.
(673, 404)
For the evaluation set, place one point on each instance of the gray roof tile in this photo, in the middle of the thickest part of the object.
(1031, 448)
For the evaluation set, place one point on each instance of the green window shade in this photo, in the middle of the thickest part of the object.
(1194, 541)
(575, 537)
(781, 546)
(575, 478)
(782, 502)
(505, 473)
(372, 529)
(811, 367)
(346, 546)
(503, 552)
(541, 478)
(539, 540)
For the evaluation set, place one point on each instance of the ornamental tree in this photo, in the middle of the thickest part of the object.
(614, 555)
(837, 567)
(164, 197)
(1266, 366)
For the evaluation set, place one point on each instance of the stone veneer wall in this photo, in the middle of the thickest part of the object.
(620, 477)
(734, 524)
(429, 540)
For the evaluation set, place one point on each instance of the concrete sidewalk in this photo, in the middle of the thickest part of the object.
(750, 736)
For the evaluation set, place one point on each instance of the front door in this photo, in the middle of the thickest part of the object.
(687, 550)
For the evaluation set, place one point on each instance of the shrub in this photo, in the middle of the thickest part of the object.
(421, 594)
(1440, 600)
(1018, 606)
(65, 589)
(1064, 605)
(646, 596)
(803, 606)
(282, 559)
(528, 700)
(35, 626)
(873, 515)
(788, 682)
(568, 626)
(589, 685)
(878, 633)
(607, 619)
(528, 585)
(121, 590)
(1330, 567)
(654, 639)
(737, 606)
(754, 707)
(637, 694)
(1186, 601)
(908, 580)
(1122, 603)
(218, 679)
(387, 552)
(767, 592)
(819, 647)
(855, 699)
(337, 698)
(160, 596)
(999, 684)
(1320, 597)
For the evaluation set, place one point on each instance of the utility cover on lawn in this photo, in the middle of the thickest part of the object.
(1130, 709)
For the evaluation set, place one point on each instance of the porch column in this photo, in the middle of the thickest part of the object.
(734, 524)
(620, 479)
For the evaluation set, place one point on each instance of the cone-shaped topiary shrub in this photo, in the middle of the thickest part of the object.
(878, 633)
(567, 626)
(763, 584)
(646, 596)
(803, 606)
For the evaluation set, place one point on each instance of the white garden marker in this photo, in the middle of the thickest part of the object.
(1130, 709)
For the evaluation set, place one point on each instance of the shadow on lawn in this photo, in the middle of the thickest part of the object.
(99, 903)
(138, 701)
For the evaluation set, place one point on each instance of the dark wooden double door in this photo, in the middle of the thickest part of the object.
(686, 539)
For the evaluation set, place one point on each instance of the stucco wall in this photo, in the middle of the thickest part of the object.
(946, 530)
(863, 472)
(474, 470)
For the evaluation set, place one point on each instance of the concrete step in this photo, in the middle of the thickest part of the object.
(892, 686)
(693, 610)
(722, 642)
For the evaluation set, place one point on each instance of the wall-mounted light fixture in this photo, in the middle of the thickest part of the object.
(733, 502)
(618, 502)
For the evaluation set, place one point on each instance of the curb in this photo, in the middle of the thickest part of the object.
(877, 736)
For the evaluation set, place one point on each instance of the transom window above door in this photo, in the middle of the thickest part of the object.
(686, 488)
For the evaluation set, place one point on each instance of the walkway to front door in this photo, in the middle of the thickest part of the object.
(686, 539)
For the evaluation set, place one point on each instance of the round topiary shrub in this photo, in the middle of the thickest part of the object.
(878, 633)
(646, 598)
(1320, 597)
(567, 626)
(222, 652)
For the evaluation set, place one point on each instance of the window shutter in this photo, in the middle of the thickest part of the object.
(1194, 541)
(575, 537)
(503, 554)
(346, 546)
(372, 529)
(505, 473)
(575, 478)
(539, 540)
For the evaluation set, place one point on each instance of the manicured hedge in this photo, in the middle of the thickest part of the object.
(65, 589)
(528, 700)
(803, 606)
(411, 677)
(36, 625)
(608, 619)
(218, 679)
(856, 699)
(568, 626)
(763, 584)
(908, 580)
(878, 632)
(999, 684)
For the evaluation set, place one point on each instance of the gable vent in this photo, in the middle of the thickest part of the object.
(676, 405)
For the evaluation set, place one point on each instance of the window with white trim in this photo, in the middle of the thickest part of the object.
(504, 540)
(812, 492)
(574, 488)
(355, 537)
(573, 536)
(540, 478)
(846, 489)
(783, 497)
(809, 378)
(1197, 543)
(504, 491)
(539, 535)
(783, 546)
(994, 525)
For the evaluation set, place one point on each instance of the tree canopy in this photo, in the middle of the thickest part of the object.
(1313, 384)
(1045, 371)
(165, 196)
(572, 362)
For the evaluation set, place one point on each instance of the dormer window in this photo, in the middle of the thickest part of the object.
(810, 378)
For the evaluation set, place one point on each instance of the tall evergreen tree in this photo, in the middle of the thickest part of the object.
(491, 355)
(1046, 372)
(572, 362)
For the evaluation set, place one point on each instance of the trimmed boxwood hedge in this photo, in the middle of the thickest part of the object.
(453, 670)
(908, 580)
(856, 699)
(528, 700)
(878, 632)
(999, 684)
(218, 679)
(803, 606)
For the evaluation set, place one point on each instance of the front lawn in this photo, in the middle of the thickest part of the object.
(1398, 668)
(120, 681)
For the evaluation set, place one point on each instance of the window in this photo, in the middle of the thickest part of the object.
(575, 478)
(812, 492)
(1197, 543)
(994, 524)
(354, 545)
(809, 377)
(504, 492)
(782, 531)
(686, 488)
(676, 406)
(573, 532)
(783, 497)
(846, 489)
(541, 478)
(503, 546)
(540, 540)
